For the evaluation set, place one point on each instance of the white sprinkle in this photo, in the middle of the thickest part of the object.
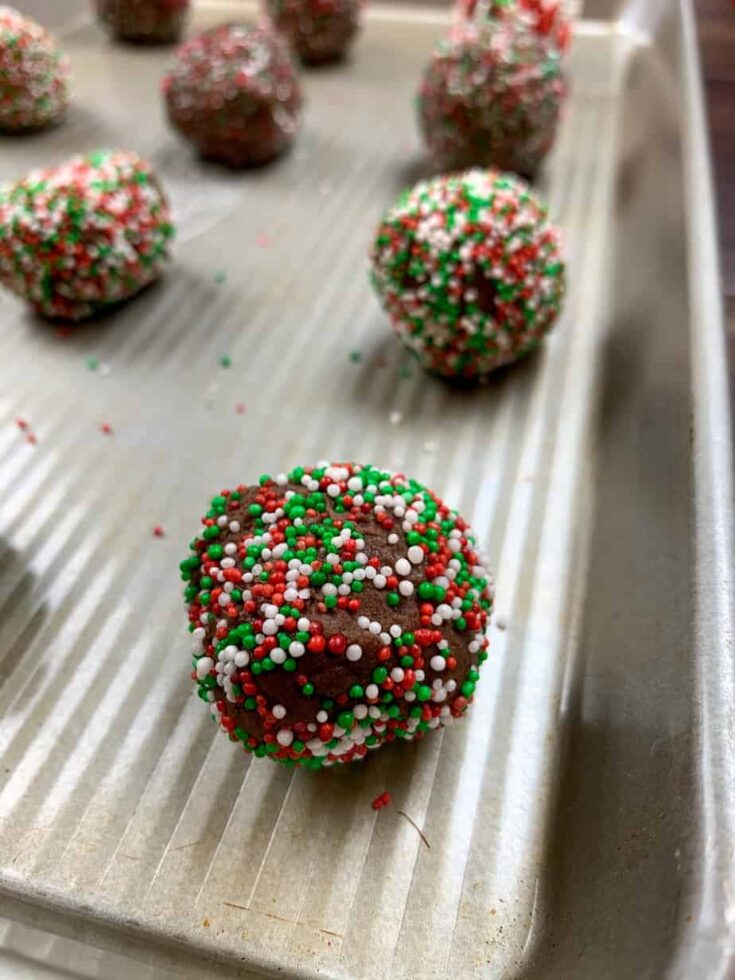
(405, 587)
(415, 554)
(204, 665)
(353, 652)
(284, 737)
(372, 692)
(437, 663)
(403, 567)
(279, 711)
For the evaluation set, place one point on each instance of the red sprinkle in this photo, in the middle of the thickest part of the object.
(106, 429)
(240, 408)
(380, 801)
(158, 532)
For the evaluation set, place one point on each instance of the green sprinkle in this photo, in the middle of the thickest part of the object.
(346, 720)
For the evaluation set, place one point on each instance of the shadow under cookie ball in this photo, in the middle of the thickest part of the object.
(234, 94)
(33, 75)
(78, 238)
(319, 31)
(144, 21)
(491, 98)
(334, 609)
(470, 271)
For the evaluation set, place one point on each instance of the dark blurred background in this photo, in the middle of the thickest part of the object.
(716, 23)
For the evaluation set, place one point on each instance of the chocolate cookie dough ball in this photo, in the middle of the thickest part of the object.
(319, 31)
(333, 609)
(470, 271)
(33, 75)
(144, 21)
(234, 94)
(77, 238)
(491, 99)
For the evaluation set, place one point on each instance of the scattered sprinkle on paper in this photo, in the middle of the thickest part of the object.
(395, 418)
(225, 361)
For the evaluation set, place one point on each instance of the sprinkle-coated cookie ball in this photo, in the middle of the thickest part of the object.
(491, 99)
(550, 19)
(470, 271)
(79, 237)
(33, 75)
(319, 31)
(333, 609)
(234, 94)
(144, 21)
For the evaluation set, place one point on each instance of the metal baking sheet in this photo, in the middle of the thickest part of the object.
(578, 822)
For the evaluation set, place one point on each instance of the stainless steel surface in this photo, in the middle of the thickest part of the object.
(578, 820)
